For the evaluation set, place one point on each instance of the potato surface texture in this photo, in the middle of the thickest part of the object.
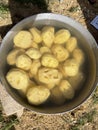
(47, 75)
(11, 58)
(17, 78)
(61, 36)
(46, 65)
(23, 62)
(60, 52)
(36, 34)
(71, 67)
(66, 89)
(48, 36)
(33, 53)
(23, 39)
(37, 95)
(79, 55)
(49, 60)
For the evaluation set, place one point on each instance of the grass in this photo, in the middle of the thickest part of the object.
(3, 9)
(86, 118)
(95, 96)
(73, 9)
(7, 123)
(42, 4)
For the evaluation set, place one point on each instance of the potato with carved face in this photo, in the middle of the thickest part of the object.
(49, 76)
(60, 53)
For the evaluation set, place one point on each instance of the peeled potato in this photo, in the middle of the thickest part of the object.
(24, 90)
(23, 62)
(51, 85)
(48, 36)
(50, 28)
(33, 53)
(49, 76)
(45, 49)
(61, 36)
(71, 44)
(61, 69)
(34, 45)
(34, 67)
(36, 34)
(60, 52)
(49, 60)
(37, 95)
(78, 54)
(23, 39)
(57, 96)
(66, 89)
(11, 58)
(17, 78)
(77, 81)
(71, 67)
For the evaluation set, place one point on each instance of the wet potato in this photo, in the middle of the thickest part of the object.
(48, 62)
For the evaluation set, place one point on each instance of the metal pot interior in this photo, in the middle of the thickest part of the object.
(86, 42)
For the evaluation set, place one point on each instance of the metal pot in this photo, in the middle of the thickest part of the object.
(87, 42)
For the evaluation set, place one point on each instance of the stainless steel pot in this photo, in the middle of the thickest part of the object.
(87, 42)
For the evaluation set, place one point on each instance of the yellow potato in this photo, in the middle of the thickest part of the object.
(61, 36)
(36, 34)
(34, 67)
(77, 81)
(33, 53)
(60, 52)
(23, 62)
(61, 69)
(71, 44)
(50, 28)
(49, 76)
(57, 96)
(48, 36)
(24, 90)
(38, 95)
(79, 55)
(34, 45)
(23, 39)
(71, 67)
(17, 78)
(11, 57)
(50, 86)
(66, 89)
(49, 60)
(45, 49)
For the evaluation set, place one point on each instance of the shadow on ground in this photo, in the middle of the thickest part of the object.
(90, 11)
(20, 9)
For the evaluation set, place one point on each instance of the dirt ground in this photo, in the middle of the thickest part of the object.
(86, 116)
